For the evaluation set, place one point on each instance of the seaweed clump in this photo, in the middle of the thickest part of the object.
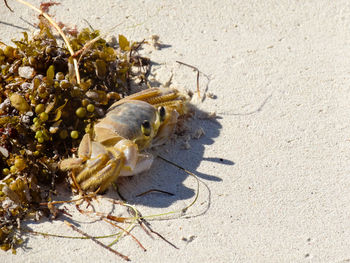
(45, 109)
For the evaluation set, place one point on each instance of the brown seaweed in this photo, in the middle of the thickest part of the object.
(39, 90)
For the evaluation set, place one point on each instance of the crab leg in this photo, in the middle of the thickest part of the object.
(105, 168)
(158, 97)
(104, 177)
(84, 153)
(93, 166)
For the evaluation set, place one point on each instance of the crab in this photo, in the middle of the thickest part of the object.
(117, 146)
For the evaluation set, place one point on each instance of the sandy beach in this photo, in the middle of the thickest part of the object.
(273, 164)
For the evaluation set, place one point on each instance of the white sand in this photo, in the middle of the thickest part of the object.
(281, 73)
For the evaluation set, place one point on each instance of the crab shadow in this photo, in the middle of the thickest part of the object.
(164, 183)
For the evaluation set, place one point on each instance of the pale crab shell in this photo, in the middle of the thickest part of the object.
(125, 120)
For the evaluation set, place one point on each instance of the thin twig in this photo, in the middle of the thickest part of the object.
(143, 222)
(69, 201)
(127, 232)
(199, 95)
(188, 172)
(119, 219)
(62, 236)
(154, 190)
(59, 30)
(97, 242)
(159, 235)
(196, 69)
(87, 22)
(8, 6)
(88, 45)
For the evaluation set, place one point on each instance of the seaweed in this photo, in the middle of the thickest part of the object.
(42, 81)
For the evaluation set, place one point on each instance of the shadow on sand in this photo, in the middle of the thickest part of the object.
(166, 177)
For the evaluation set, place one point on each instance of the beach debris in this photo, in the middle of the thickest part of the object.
(210, 95)
(53, 89)
(154, 42)
(51, 94)
(186, 143)
(198, 133)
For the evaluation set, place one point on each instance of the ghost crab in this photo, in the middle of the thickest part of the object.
(131, 125)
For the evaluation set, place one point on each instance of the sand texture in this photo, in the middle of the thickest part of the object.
(275, 161)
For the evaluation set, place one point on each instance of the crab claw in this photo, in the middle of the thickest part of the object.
(99, 166)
